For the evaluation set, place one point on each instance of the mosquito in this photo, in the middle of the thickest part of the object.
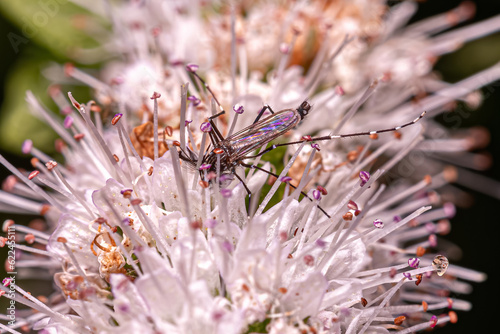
(226, 154)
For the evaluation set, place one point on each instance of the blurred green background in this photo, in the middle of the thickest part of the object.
(475, 229)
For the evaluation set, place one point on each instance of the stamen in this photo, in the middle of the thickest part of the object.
(302, 182)
(97, 137)
(182, 130)
(155, 97)
(80, 199)
(30, 184)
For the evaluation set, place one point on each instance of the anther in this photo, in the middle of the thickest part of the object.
(95, 108)
(420, 251)
(27, 146)
(453, 317)
(414, 262)
(6, 224)
(433, 321)
(29, 238)
(316, 195)
(306, 138)
(136, 201)
(116, 118)
(62, 240)
(378, 223)
(309, 260)
(51, 164)
(68, 71)
(194, 100)
(205, 166)
(450, 303)
(238, 108)
(322, 190)
(364, 302)
(79, 136)
(347, 216)
(45, 208)
(339, 91)
(218, 150)
(432, 240)
(205, 127)
(352, 155)
(127, 193)
(282, 290)
(192, 67)
(59, 145)
(155, 96)
(408, 276)
(116, 158)
(33, 174)
(169, 131)
(284, 48)
(68, 122)
(150, 171)
(286, 179)
(364, 177)
(100, 220)
(34, 162)
(195, 225)
(399, 320)
(419, 279)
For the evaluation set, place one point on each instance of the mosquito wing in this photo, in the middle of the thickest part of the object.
(262, 132)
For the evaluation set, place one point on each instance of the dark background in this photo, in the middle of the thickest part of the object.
(474, 229)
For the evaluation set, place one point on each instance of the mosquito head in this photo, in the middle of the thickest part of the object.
(303, 109)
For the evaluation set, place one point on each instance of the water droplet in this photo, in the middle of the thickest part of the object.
(440, 264)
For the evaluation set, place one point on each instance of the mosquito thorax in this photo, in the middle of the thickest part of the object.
(303, 109)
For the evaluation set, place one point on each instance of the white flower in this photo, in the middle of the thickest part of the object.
(153, 235)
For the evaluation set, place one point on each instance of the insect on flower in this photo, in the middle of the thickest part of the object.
(225, 154)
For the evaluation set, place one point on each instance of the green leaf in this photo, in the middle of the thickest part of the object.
(52, 24)
(258, 327)
(16, 121)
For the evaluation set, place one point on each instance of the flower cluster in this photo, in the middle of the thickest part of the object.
(151, 227)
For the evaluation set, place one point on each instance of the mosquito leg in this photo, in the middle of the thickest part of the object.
(294, 187)
(216, 115)
(330, 137)
(262, 111)
(215, 135)
(246, 188)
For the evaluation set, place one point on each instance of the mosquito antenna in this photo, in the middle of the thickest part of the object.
(291, 185)
(332, 136)
(375, 132)
(192, 69)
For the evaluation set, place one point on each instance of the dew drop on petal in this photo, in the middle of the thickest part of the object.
(440, 264)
